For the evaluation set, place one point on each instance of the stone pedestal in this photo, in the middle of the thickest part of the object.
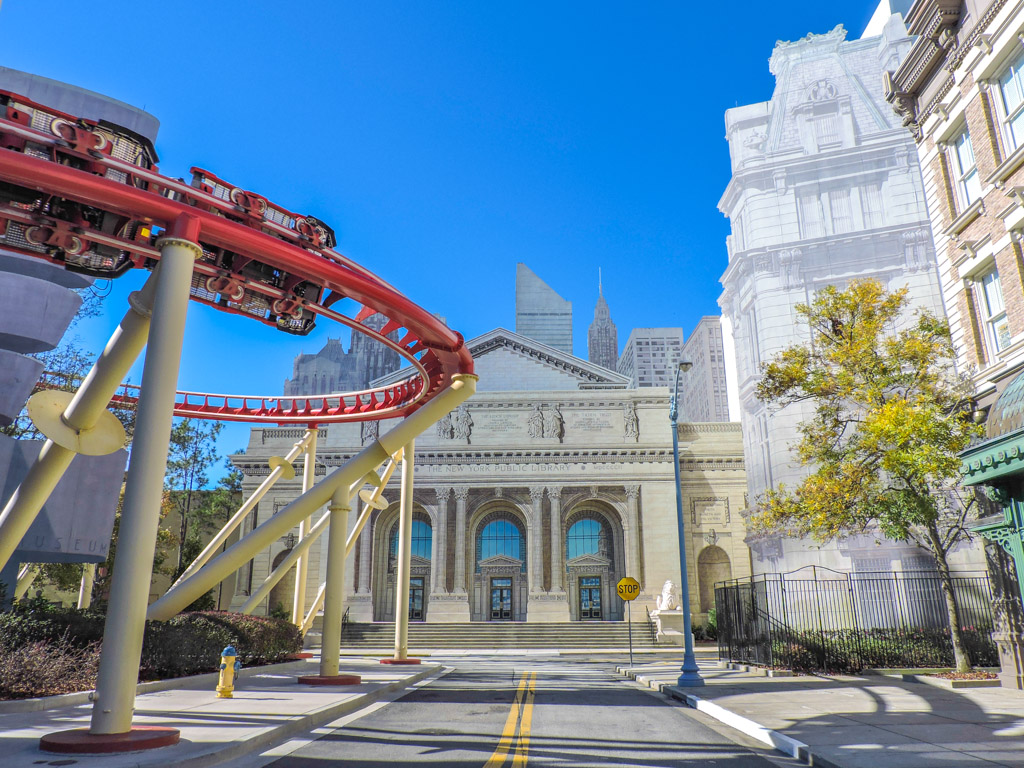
(360, 608)
(670, 626)
(547, 607)
(447, 608)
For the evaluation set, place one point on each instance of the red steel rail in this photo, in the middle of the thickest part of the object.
(45, 174)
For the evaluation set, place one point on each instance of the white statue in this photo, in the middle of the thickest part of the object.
(667, 600)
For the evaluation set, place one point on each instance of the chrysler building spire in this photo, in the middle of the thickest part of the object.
(603, 337)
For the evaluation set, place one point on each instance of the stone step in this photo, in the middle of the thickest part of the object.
(502, 635)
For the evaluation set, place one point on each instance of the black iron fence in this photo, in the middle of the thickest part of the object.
(816, 619)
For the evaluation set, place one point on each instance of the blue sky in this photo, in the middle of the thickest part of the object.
(443, 141)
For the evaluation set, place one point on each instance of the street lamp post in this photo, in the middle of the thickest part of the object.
(689, 673)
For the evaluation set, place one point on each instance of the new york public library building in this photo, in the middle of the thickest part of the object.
(531, 500)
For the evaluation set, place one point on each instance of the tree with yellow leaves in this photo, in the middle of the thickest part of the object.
(890, 418)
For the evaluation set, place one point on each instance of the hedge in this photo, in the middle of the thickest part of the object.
(188, 644)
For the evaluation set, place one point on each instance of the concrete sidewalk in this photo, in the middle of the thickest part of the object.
(268, 706)
(858, 722)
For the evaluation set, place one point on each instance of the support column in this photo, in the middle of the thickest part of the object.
(557, 542)
(536, 569)
(140, 517)
(461, 496)
(438, 570)
(632, 563)
(334, 593)
(85, 587)
(544, 606)
(404, 557)
(302, 566)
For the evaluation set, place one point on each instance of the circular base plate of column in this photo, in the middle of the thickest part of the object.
(79, 741)
(330, 679)
(401, 661)
(298, 656)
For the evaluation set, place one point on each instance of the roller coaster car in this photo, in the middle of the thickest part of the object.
(82, 238)
(255, 210)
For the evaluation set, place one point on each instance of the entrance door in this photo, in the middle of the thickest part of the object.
(416, 598)
(590, 597)
(501, 599)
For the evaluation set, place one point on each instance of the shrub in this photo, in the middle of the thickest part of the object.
(43, 668)
(188, 644)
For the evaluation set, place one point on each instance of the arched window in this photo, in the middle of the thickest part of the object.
(588, 536)
(500, 537)
(421, 540)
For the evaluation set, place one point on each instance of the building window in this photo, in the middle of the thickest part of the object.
(1011, 92)
(421, 541)
(965, 171)
(586, 537)
(839, 205)
(826, 129)
(500, 537)
(995, 311)
(871, 205)
(812, 220)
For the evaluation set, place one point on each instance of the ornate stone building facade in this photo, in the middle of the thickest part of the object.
(534, 498)
(332, 369)
(826, 188)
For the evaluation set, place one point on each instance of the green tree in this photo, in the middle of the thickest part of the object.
(192, 451)
(890, 418)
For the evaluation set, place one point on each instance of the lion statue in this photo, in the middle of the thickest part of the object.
(667, 600)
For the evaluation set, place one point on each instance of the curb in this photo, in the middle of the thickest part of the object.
(43, 703)
(774, 739)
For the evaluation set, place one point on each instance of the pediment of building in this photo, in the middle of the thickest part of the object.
(594, 561)
(501, 561)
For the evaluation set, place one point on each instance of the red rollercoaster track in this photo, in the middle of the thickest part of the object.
(87, 195)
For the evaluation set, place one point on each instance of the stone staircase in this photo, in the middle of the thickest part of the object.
(495, 634)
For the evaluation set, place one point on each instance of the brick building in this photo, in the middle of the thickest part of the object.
(960, 92)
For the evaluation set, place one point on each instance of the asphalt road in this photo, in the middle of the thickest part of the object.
(531, 711)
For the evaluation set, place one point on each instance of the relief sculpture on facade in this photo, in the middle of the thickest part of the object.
(631, 428)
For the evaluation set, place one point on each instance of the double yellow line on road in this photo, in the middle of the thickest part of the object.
(519, 719)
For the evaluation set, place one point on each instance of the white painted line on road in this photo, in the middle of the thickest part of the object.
(285, 748)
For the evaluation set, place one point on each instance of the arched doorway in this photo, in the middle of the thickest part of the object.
(713, 565)
(593, 563)
(419, 568)
(499, 572)
(282, 595)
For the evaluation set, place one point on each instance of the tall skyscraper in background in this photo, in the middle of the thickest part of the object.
(826, 188)
(702, 390)
(649, 356)
(603, 336)
(541, 314)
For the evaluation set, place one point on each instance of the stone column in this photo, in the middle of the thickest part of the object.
(557, 544)
(461, 496)
(365, 549)
(439, 557)
(536, 539)
(633, 534)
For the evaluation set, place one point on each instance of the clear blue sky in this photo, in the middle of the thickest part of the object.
(443, 141)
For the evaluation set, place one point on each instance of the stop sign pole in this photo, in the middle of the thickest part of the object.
(628, 589)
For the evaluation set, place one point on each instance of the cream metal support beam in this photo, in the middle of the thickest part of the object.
(334, 595)
(26, 576)
(280, 467)
(303, 545)
(404, 557)
(83, 423)
(85, 586)
(140, 518)
(463, 386)
(301, 568)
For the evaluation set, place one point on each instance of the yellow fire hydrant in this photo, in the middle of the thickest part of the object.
(229, 665)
